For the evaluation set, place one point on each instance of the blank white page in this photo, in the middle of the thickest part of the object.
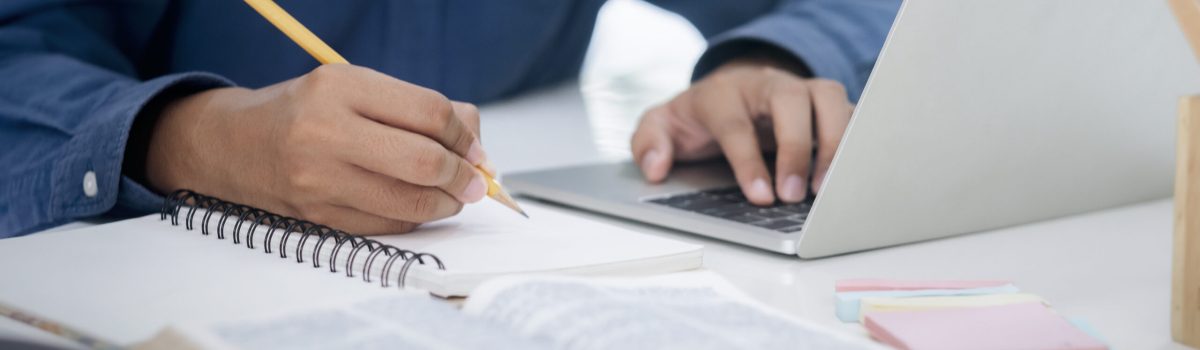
(488, 239)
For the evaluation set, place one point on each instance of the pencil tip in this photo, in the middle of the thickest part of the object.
(511, 203)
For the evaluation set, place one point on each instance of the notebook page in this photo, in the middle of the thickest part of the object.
(125, 280)
(488, 239)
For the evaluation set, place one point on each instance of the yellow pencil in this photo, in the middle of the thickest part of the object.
(325, 54)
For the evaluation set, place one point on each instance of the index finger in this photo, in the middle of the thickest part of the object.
(724, 115)
(791, 110)
(469, 115)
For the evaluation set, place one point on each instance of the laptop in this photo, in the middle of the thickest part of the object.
(977, 116)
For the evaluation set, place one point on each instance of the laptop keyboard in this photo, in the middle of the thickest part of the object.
(730, 204)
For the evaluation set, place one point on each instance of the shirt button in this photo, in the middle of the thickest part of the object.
(89, 184)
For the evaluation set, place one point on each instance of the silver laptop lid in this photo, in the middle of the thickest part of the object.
(984, 114)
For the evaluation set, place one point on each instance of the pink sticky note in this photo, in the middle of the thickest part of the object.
(1015, 326)
(859, 285)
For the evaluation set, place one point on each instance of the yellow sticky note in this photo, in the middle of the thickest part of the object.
(870, 305)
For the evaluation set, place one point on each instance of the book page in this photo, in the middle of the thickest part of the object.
(685, 311)
(407, 321)
(682, 311)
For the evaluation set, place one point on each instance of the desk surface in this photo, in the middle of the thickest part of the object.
(1111, 268)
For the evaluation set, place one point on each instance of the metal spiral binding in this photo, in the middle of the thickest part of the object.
(222, 210)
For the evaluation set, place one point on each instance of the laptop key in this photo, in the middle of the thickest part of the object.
(797, 208)
(735, 197)
(702, 203)
(773, 213)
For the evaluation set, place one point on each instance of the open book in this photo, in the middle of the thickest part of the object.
(695, 310)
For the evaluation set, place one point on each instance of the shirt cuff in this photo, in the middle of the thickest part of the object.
(88, 180)
(819, 55)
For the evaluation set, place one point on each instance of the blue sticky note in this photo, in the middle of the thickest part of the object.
(1086, 327)
(847, 304)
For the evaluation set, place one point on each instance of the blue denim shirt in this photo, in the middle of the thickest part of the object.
(75, 74)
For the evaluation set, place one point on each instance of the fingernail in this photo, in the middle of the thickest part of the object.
(475, 190)
(760, 191)
(652, 157)
(792, 189)
(475, 154)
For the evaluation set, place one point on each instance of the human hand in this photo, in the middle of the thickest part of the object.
(343, 146)
(741, 109)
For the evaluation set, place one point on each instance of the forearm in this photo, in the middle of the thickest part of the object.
(66, 123)
(69, 101)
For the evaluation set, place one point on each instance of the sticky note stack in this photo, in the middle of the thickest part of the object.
(850, 293)
(957, 315)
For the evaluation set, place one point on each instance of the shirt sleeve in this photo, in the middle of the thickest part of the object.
(834, 39)
(70, 94)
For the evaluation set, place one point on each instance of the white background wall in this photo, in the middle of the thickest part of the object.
(640, 56)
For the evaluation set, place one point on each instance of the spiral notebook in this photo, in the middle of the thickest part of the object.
(207, 260)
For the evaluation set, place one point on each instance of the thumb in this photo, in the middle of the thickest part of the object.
(651, 145)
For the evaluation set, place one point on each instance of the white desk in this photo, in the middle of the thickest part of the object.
(1111, 268)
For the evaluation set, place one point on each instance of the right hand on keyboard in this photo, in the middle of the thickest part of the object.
(742, 108)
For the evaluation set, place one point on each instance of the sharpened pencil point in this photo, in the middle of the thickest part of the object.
(496, 192)
(503, 198)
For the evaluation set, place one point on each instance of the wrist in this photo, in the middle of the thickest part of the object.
(137, 145)
(767, 56)
(180, 138)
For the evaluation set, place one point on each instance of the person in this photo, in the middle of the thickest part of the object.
(107, 105)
